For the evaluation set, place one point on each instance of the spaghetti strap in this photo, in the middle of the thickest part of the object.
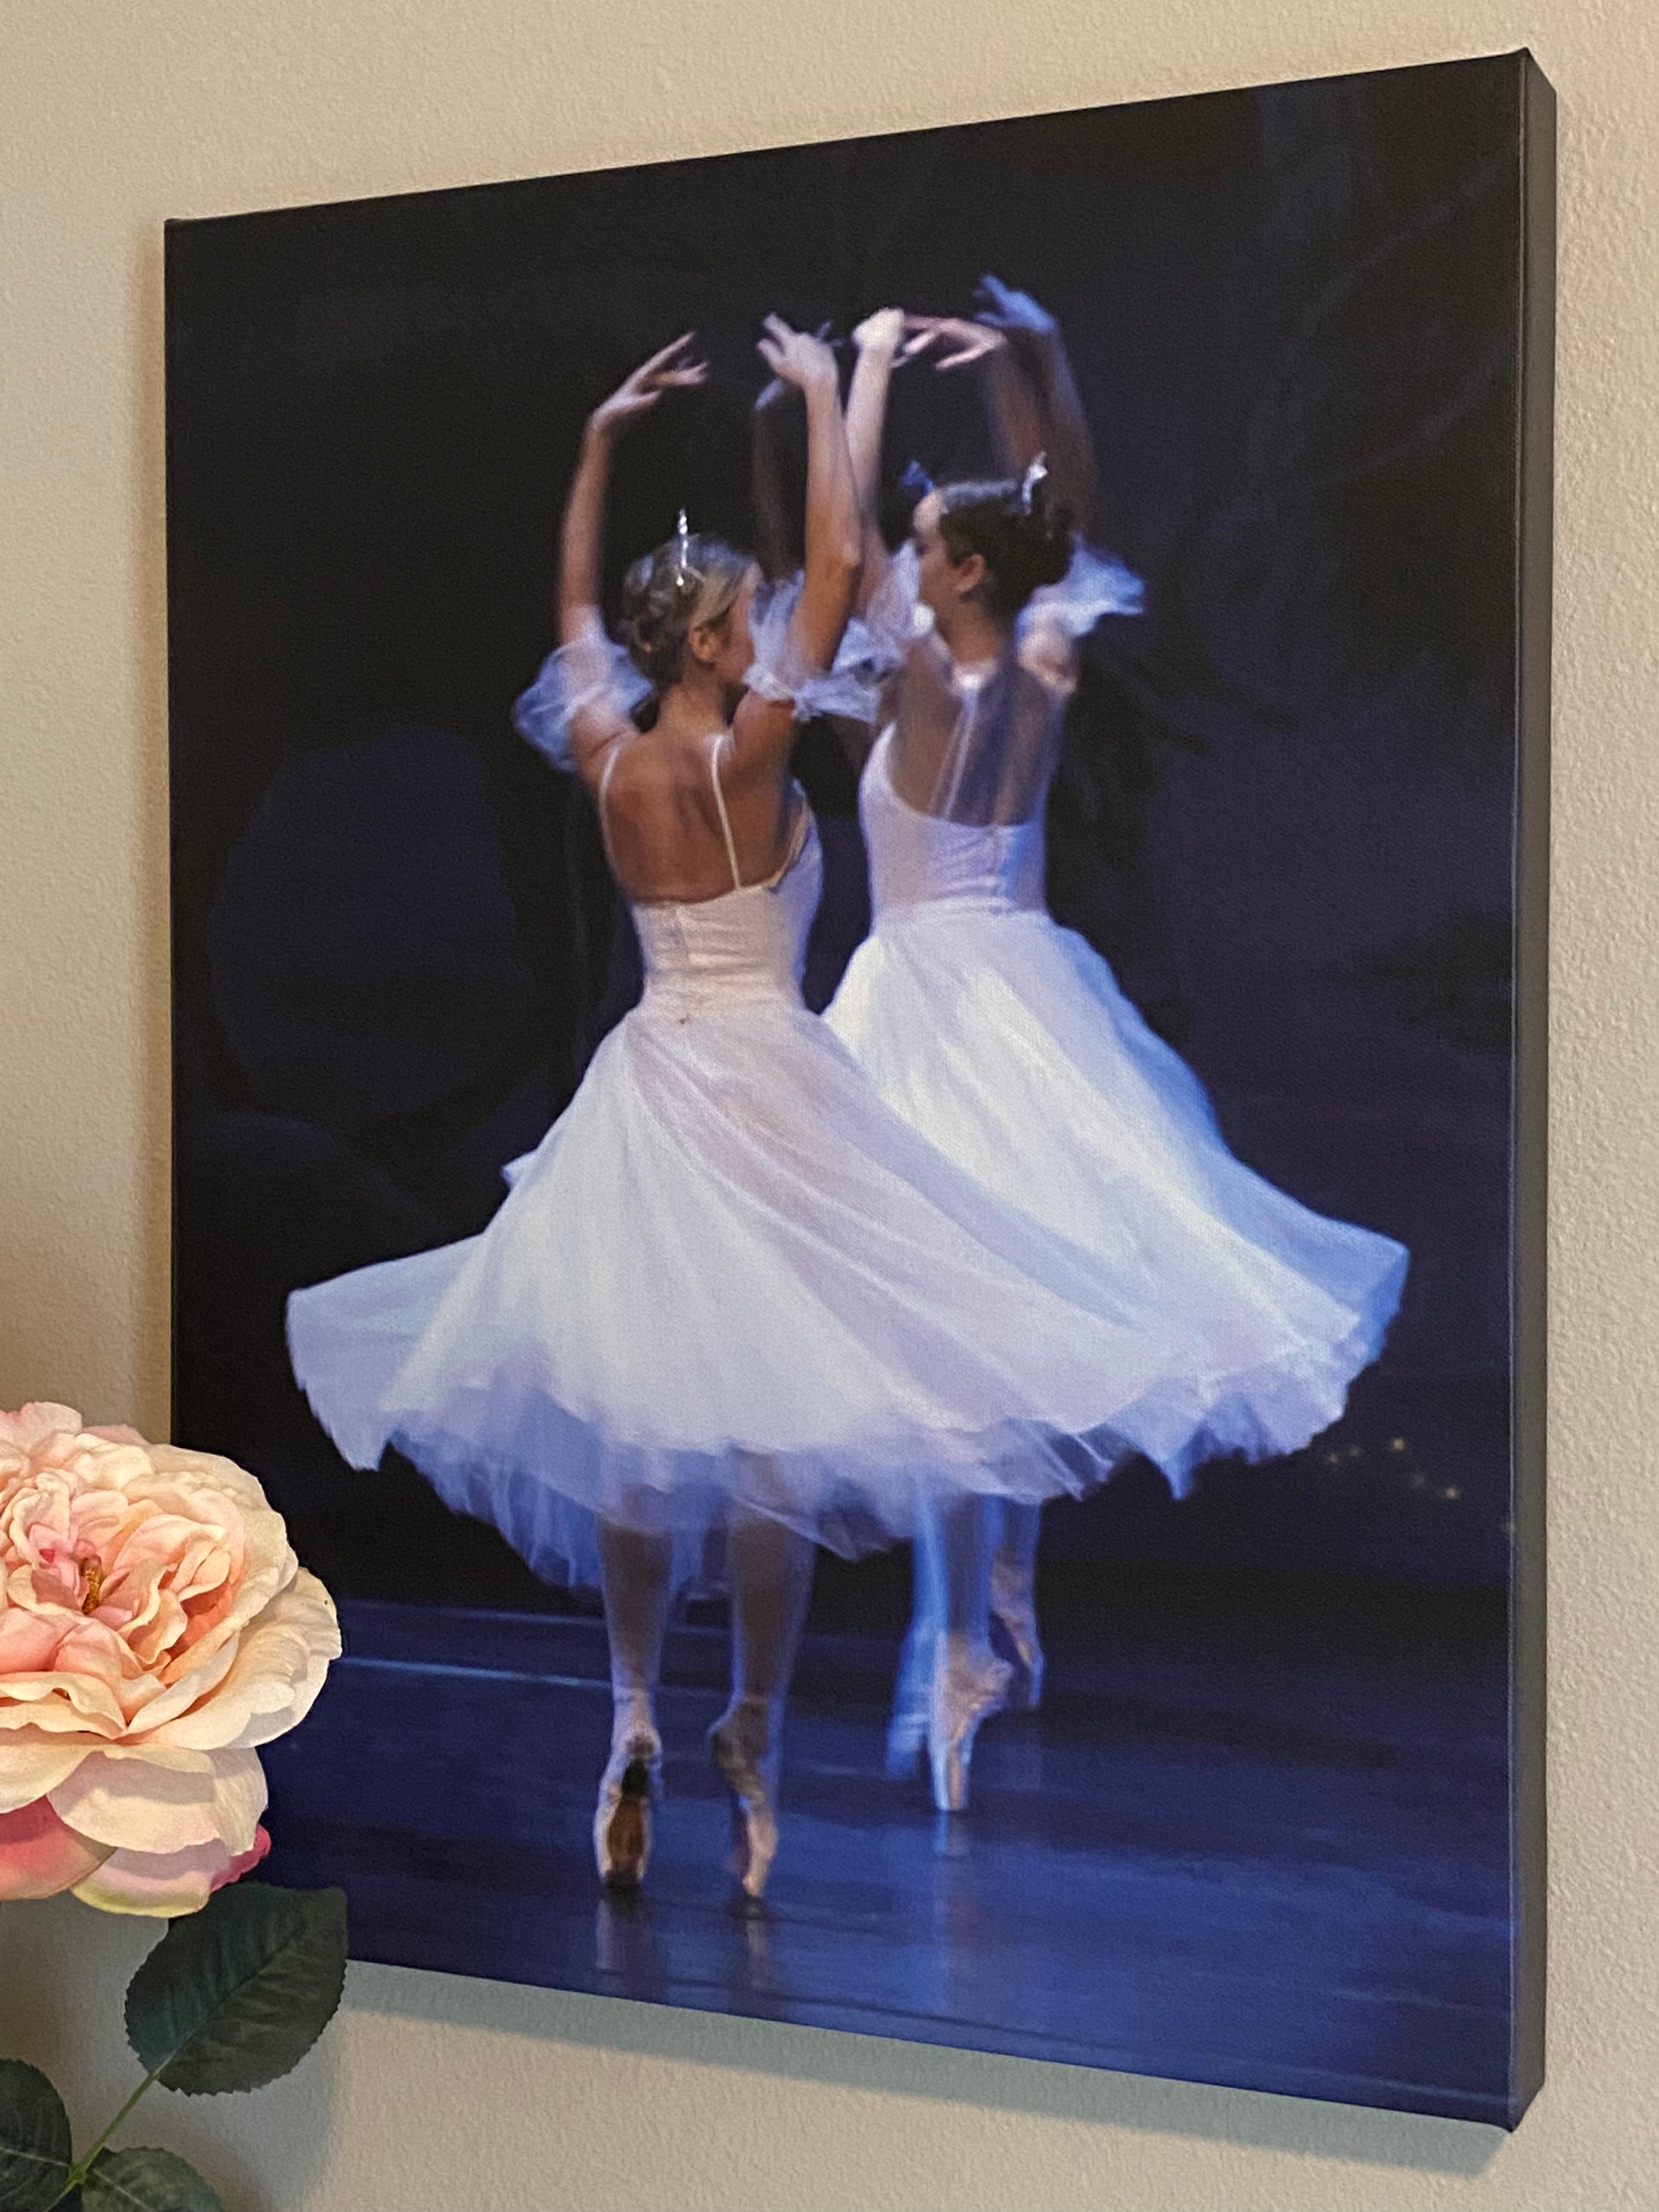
(722, 738)
(605, 825)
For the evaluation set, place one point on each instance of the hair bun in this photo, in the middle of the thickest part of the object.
(1020, 530)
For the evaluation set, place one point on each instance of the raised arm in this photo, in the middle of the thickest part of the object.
(832, 512)
(821, 613)
(1031, 393)
(774, 539)
(1014, 410)
(582, 539)
(777, 536)
(597, 720)
(1048, 416)
(880, 339)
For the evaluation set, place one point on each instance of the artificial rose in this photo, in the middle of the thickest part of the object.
(155, 1628)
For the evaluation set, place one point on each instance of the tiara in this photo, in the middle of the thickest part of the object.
(685, 572)
(1037, 474)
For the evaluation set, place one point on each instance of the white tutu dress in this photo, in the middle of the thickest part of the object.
(730, 1276)
(1005, 1041)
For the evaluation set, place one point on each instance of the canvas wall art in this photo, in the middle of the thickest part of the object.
(859, 846)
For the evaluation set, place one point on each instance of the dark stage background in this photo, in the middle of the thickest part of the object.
(1286, 813)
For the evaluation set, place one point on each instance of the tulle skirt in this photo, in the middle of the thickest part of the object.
(730, 1280)
(1006, 1041)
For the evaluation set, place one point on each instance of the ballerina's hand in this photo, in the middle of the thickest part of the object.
(973, 341)
(671, 370)
(796, 357)
(884, 331)
(773, 394)
(1015, 314)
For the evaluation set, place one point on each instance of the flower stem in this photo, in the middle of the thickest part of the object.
(83, 2166)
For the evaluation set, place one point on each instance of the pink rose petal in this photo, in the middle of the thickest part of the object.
(245, 1861)
(31, 1425)
(40, 1855)
(163, 1885)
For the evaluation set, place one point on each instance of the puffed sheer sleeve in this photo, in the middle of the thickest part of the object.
(1058, 617)
(872, 648)
(1095, 585)
(592, 671)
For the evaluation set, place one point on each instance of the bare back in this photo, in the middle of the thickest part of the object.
(661, 811)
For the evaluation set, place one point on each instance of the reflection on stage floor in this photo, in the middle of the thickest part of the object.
(1255, 1837)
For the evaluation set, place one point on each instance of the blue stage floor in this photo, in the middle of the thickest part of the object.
(1245, 1841)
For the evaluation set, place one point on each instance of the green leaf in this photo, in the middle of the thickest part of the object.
(34, 2139)
(145, 2181)
(233, 1996)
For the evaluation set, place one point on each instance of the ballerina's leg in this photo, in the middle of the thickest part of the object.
(966, 1682)
(951, 1593)
(1013, 1598)
(770, 1571)
(954, 1556)
(636, 1570)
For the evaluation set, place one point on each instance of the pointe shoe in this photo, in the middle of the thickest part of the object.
(969, 1686)
(907, 1731)
(622, 1820)
(1013, 1611)
(742, 1744)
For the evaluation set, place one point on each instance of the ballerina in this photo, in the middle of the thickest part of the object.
(732, 1305)
(1006, 1041)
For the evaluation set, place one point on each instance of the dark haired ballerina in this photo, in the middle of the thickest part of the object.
(1006, 1040)
(732, 1304)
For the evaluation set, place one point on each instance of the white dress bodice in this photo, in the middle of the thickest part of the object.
(921, 859)
(746, 946)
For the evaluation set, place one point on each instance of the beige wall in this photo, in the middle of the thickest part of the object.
(464, 2095)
